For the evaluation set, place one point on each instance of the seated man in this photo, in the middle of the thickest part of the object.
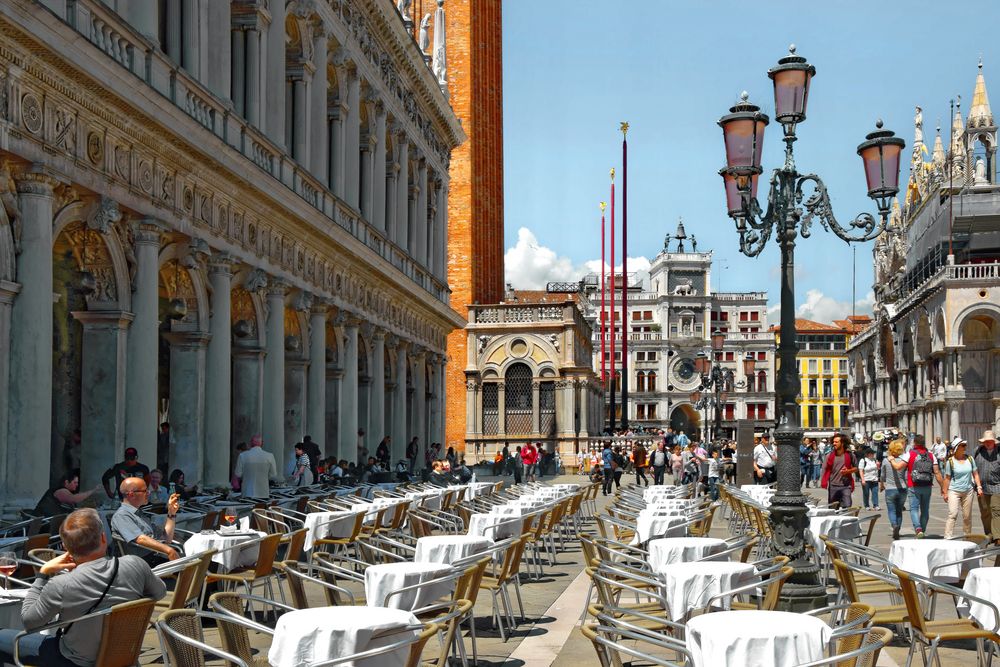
(72, 585)
(133, 526)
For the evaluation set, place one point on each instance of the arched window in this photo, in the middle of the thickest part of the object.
(651, 381)
(762, 381)
(517, 397)
(640, 381)
(750, 382)
(618, 381)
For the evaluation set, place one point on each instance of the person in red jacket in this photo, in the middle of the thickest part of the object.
(529, 457)
(839, 472)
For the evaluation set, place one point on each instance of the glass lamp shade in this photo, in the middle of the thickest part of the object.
(734, 197)
(749, 364)
(743, 132)
(791, 77)
(695, 396)
(718, 340)
(880, 155)
(702, 363)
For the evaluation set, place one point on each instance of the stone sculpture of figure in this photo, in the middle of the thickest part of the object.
(403, 6)
(694, 243)
(666, 242)
(918, 126)
(980, 171)
(424, 41)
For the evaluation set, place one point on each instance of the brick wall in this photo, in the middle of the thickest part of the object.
(475, 203)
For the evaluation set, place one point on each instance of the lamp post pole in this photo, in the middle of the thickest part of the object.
(795, 201)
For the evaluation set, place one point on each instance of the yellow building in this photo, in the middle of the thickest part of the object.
(823, 398)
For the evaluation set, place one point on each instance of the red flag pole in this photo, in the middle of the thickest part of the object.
(625, 320)
(612, 311)
(604, 359)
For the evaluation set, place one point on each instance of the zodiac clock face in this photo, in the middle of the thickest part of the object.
(684, 372)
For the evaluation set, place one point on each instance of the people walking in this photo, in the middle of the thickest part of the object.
(412, 451)
(677, 465)
(986, 457)
(639, 463)
(729, 462)
(529, 455)
(607, 458)
(659, 460)
(764, 460)
(892, 481)
(961, 483)
(869, 469)
(839, 472)
(921, 470)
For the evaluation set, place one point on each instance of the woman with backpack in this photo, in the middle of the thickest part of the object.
(921, 470)
(961, 485)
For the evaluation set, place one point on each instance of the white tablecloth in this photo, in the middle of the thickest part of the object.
(821, 511)
(832, 525)
(690, 586)
(230, 559)
(772, 638)
(10, 608)
(651, 524)
(383, 579)
(427, 499)
(651, 493)
(983, 582)
(328, 525)
(495, 526)
(919, 556)
(372, 509)
(449, 548)
(324, 633)
(666, 551)
(761, 494)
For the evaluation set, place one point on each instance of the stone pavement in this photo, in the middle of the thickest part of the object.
(553, 606)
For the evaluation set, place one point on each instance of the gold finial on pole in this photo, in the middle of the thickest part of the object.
(612, 173)
(603, 206)
(624, 128)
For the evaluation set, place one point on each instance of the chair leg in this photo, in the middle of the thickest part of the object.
(520, 603)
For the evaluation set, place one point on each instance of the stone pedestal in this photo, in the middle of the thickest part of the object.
(187, 403)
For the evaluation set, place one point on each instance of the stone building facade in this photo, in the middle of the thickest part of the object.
(930, 362)
(475, 197)
(671, 316)
(231, 216)
(528, 374)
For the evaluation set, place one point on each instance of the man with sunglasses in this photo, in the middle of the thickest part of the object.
(133, 526)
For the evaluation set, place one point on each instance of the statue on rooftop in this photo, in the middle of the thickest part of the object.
(694, 243)
(918, 126)
(424, 40)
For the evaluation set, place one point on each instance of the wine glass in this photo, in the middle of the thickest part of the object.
(230, 518)
(8, 565)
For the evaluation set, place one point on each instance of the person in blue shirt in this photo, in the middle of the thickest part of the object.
(682, 440)
(606, 457)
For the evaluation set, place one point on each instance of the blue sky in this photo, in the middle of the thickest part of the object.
(572, 71)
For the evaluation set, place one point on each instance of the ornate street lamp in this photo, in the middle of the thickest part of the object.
(794, 202)
(749, 364)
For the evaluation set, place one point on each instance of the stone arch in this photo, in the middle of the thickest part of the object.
(940, 332)
(978, 324)
(173, 261)
(247, 314)
(685, 417)
(296, 332)
(922, 337)
(77, 212)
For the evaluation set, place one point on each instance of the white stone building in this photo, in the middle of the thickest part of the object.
(671, 316)
(227, 215)
(930, 362)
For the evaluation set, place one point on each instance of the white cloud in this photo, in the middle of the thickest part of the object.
(819, 307)
(530, 265)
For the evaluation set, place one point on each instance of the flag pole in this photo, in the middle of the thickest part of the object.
(604, 357)
(625, 320)
(611, 324)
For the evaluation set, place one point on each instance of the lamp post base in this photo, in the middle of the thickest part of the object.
(803, 591)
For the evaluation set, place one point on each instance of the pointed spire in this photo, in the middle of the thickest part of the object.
(957, 126)
(980, 114)
(937, 155)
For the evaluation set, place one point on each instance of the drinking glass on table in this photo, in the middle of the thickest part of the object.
(230, 518)
(8, 565)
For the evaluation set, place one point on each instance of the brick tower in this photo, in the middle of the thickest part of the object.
(475, 202)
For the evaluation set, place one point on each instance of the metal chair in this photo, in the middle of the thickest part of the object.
(183, 643)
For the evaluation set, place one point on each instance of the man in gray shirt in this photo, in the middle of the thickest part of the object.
(133, 527)
(255, 468)
(72, 585)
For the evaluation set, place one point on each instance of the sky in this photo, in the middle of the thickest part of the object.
(573, 70)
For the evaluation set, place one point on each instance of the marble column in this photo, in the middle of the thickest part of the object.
(274, 76)
(365, 177)
(273, 421)
(238, 76)
(253, 79)
(316, 408)
(431, 235)
(567, 422)
(403, 194)
(187, 403)
(143, 17)
(248, 391)
(296, 368)
(502, 409)
(349, 391)
(335, 116)
(420, 397)
(376, 403)
(441, 258)
(190, 25)
(102, 399)
(584, 399)
(299, 120)
(420, 224)
(434, 405)
(400, 435)
(142, 364)
(218, 374)
(318, 158)
(536, 413)
(173, 31)
(956, 424)
(352, 131)
(472, 400)
(217, 52)
(8, 292)
(413, 222)
(391, 178)
(378, 170)
(334, 376)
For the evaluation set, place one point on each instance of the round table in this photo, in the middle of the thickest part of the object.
(666, 551)
(228, 558)
(449, 548)
(324, 633)
(921, 556)
(10, 608)
(841, 526)
(495, 526)
(653, 492)
(983, 582)
(383, 579)
(332, 525)
(688, 586)
(651, 524)
(772, 638)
